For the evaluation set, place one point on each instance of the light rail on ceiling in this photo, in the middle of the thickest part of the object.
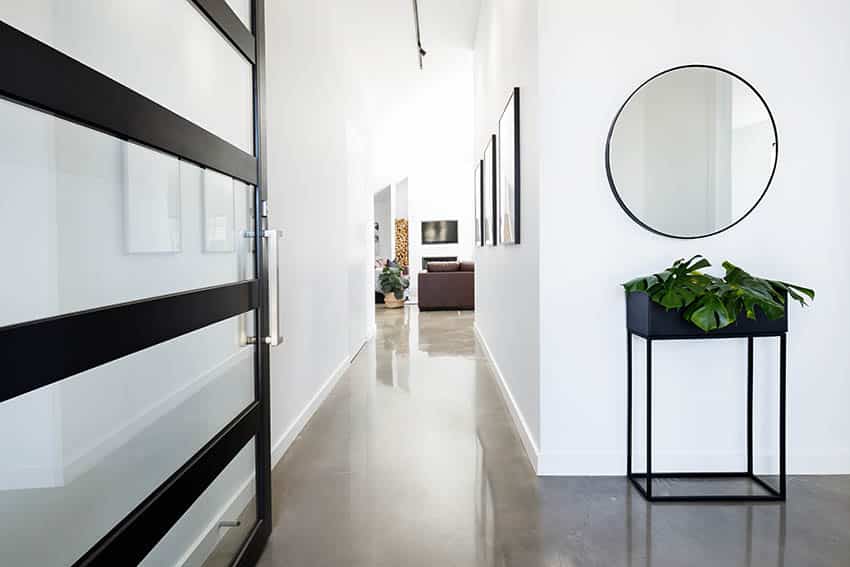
(419, 50)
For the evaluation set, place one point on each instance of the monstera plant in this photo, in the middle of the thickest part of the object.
(393, 283)
(712, 303)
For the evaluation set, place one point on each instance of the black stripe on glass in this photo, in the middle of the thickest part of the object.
(136, 535)
(229, 24)
(38, 353)
(34, 73)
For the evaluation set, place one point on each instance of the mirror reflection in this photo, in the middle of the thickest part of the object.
(691, 152)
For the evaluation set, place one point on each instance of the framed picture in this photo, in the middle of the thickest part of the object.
(219, 212)
(152, 223)
(488, 193)
(509, 172)
(477, 183)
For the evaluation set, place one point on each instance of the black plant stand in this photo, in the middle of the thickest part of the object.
(652, 322)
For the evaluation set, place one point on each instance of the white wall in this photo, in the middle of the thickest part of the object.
(383, 217)
(506, 280)
(592, 56)
(400, 201)
(321, 195)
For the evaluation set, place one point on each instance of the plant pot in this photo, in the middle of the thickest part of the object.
(392, 302)
(646, 318)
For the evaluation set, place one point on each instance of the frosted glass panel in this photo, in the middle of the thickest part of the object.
(98, 443)
(218, 212)
(197, 540)
(88, 220)
(164, 49)
(151, 201)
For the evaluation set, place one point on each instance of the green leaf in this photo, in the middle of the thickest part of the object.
(713, 303)
(792, 290)
(702, 263)
(749, 307)
(710, 313)
(640, 284)
(810, 293)
(676, 287)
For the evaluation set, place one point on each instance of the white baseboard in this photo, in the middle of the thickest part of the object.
(520, 424)
(205, 544)
(613, 463)
(582, 464)
(22, 477)
(283, 444)
(585, 463)
(819, 463)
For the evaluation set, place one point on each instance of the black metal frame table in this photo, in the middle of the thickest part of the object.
(651, 322)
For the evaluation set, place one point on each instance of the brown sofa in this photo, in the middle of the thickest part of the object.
(447, 285)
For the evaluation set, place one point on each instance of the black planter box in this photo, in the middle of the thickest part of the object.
(646, 318)
(654, 323)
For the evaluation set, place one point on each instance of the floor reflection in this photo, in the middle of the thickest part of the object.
(413, 460)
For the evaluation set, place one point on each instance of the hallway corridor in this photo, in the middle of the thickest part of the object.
(413, 461)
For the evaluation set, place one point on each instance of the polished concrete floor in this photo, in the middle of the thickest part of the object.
(413, 461)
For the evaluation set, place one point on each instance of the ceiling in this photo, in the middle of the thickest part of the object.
(448, 23)
(398, 99)
(385, 31)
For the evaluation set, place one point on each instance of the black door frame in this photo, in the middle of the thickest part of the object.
(35, 74)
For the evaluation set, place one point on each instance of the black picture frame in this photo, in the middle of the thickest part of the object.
(488, 192)
(509, 177)
(610, 175)
(478, 181)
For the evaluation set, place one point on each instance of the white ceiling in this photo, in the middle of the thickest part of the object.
(448, 23)
(384, 30)
(380, 50)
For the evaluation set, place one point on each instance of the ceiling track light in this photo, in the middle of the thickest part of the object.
(420, 51)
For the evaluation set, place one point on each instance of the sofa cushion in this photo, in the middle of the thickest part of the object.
(467, 266)
(446, 290)
(443, 266)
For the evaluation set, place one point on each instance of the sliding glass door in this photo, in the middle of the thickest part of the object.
(134, 411)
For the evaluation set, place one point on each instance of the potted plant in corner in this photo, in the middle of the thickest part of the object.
(680, 299)
(393, 284)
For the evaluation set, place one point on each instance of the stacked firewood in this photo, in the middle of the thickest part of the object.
(401, 250)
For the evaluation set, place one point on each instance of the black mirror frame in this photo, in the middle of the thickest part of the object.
(620, 111)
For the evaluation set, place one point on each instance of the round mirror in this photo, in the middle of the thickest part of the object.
(691, 152)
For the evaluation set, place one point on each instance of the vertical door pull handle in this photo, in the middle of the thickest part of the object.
(273, 237)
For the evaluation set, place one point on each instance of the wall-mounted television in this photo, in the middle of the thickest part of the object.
(439, 232)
